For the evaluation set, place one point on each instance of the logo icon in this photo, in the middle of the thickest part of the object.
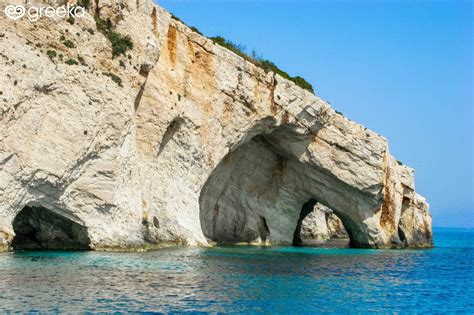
(15, 12)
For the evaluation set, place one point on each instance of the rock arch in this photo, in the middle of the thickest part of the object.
(323, 225)
(256, 192)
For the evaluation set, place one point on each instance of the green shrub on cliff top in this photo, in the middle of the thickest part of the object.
(194, 29)
(236, 48)
(260, 62)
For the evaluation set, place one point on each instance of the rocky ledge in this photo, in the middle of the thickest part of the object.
(133, 130)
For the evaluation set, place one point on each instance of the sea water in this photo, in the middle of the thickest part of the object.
(245, 279)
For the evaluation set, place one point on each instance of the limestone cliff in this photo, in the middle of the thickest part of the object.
(181, 141)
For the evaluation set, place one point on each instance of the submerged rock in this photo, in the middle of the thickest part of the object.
(181, 141)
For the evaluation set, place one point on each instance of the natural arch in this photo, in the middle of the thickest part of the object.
(256, 193)
(38, 228)
(322, 225)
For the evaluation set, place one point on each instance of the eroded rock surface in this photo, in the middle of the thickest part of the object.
(180, 141)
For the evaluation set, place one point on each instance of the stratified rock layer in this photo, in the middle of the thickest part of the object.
(194, 145)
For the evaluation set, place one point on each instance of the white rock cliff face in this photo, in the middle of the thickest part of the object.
(195, 146)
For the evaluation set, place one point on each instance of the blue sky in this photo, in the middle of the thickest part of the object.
(401, 68)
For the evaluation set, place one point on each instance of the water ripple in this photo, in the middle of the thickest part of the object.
(244, 279)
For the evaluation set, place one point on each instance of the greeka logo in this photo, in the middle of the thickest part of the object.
(16, 12)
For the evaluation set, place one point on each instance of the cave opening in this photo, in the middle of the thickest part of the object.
(38, 228)
(320, 226)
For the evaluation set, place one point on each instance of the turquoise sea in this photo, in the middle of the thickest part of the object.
(245, 279)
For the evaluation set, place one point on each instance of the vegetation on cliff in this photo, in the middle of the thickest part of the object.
(120, 43)
(265, 64)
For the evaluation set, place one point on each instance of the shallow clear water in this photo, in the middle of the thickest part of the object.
(245, 279)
